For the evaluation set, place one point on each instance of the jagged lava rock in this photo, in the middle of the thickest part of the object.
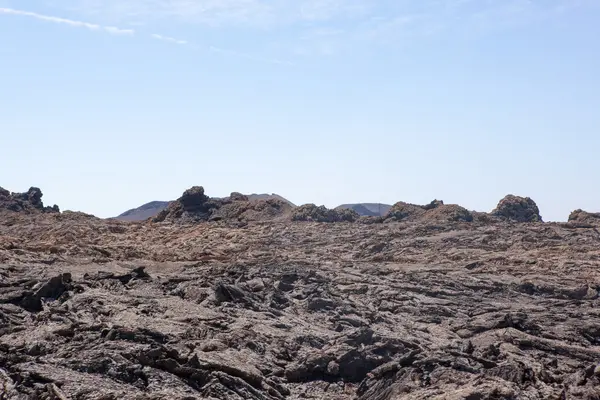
(402, 211)
(449, 212)
(518, 209)
(30, 201)
(583, 217)
(313, 213)
(194, 206)
(240, 208)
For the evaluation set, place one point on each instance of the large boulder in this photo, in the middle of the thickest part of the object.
(517, 209)
(313, 213)
(30, 201)
(194, 199)
(192, 206)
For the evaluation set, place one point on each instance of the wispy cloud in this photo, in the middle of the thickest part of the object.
(384, 22)
(309, 27)
(119, 31)
(78, 24)
(168, 39)
(223, 13)
(284, 13)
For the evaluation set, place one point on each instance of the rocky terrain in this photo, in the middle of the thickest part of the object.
(153, 208)
(28, 202)
(230, 300)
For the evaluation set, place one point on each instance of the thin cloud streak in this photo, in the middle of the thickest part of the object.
(78, 24)
(168, 39)
(118, 31)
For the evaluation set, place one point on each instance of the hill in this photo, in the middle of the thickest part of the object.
(143, 212)
(367, 209)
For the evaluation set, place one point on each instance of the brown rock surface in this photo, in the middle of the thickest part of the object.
(313, 213)
(434, 211)
(102, 309)
(517, 209)
(584, 217)
(195, 206)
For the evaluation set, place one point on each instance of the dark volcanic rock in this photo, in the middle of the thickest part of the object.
(240, 208)
(434, 211)
(518, 209)
(98, 309)
(449, 212)
(583, 217)
(30, 201)
(195, 206)
(236, 196)
(312, 213)
(152, 209)
(434, 204)
(402, 211)
(192, 206)
(194, 200)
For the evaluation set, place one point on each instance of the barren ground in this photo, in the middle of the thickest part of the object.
(297, 310)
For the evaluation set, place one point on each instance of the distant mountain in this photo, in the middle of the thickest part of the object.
(265, 196)
(152, 209)
(143, 212)
(367, 209)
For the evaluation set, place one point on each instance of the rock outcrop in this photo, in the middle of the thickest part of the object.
(30, 201)
(153, 208)
(195, 206)
(240, 208)
(313, 213)
(583, 217)
(434, 211)
(192, 206)
(517, 209)
(402, 211)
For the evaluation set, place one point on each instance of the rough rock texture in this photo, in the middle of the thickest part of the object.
(518, 209)
(402, 211)
(448, 212)
(195, 206)
(434, 211)
(584, 217)
(312, 213)
(239, 208)
(192, 206)
(30, 201)
(152, 209)
(102, 309)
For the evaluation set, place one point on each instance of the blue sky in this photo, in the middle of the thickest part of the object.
(108, 104)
